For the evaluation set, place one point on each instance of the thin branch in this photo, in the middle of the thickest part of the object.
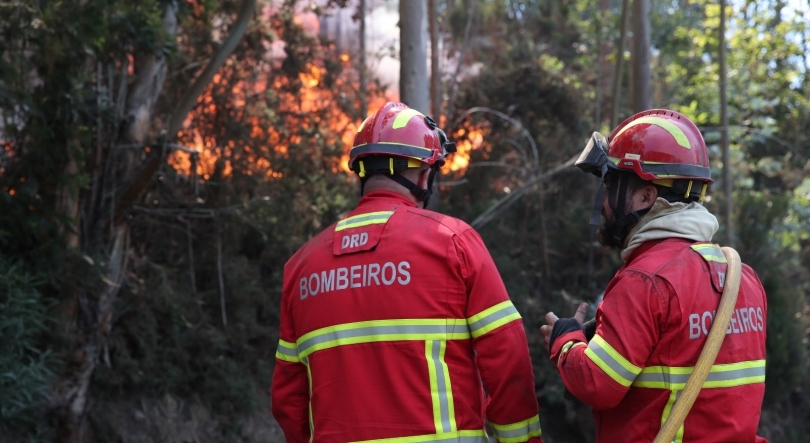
(189, 99)
(190, 239)
(497, 164)
(510, 120)
(454, 86)
(617, 73)
(504, 203)
(221, 280)
(199, 212)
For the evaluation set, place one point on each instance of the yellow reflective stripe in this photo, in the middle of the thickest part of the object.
(477, 436)
(287, 351)
(305, 361)
(567, 347)
(362, 125)
(370, 218)
(517, 432)
(383, 330)
(721, 376)
(441, 393)
(674, 130)
(492, 318)
(404, 117)
(710, 252)
(673, 397)
(609, 360)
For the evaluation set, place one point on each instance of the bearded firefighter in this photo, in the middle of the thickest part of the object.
(392, 317)
(659, 307)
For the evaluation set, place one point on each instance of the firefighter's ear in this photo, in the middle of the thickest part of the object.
(648, 194)
(424, 175)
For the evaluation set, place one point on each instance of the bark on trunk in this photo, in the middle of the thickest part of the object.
(727, 180)
(435, 72)
(413, 78)
(617, 73)
(642, 91)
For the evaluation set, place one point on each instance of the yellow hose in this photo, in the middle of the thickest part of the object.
(709, 353)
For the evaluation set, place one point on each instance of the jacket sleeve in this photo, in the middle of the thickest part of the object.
(600, 372)
(502, 352)
(289, 392)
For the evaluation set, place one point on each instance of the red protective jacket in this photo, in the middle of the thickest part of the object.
(651, 327)
(390, 320)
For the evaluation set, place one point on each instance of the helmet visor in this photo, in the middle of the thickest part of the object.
(594, 157)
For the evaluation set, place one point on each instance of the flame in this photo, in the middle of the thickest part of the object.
(305, 115)
(467, 140)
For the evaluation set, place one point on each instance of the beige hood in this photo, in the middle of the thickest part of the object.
(667, 220)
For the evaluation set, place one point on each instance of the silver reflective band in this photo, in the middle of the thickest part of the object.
(331, 338)
(492, 318)
(291, 352)
(520, 432)
(444, 403)
(364, 219)
(666, 378)
(608, 359)
(711, 252)
(459, 437)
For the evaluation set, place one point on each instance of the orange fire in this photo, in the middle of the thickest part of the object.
(304, 109)
(309, 97)
(466, 141)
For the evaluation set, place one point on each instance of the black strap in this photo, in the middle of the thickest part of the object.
(625, 223)
(421, 194)
(596, 212)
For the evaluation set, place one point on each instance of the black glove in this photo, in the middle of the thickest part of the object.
(561, 327)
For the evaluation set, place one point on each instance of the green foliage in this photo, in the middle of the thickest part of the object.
(272, 133)
(26, 366)
(780, 271)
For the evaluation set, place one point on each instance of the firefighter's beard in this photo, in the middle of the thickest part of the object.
(606, 233)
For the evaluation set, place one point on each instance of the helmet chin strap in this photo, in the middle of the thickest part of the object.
(624, 222)
(421, 194)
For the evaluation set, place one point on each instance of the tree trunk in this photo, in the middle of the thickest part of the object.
(361, 12)
(727, 184)
(642, 91)
(435, 73)
(90, 315)
(413, 79)
(617, 73)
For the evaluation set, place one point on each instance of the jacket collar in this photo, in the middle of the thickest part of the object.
(384, 198)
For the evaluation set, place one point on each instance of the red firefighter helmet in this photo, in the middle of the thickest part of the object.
(399, 132)
(660, 145)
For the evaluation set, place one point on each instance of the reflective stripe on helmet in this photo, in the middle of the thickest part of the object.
(362, 125)
(382, 148)
(663, 170)
(721, 376)
(677, 133)
(404, 117)
(517, 432)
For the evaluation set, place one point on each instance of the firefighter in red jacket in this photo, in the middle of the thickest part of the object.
(658, 308)
(392, 317)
